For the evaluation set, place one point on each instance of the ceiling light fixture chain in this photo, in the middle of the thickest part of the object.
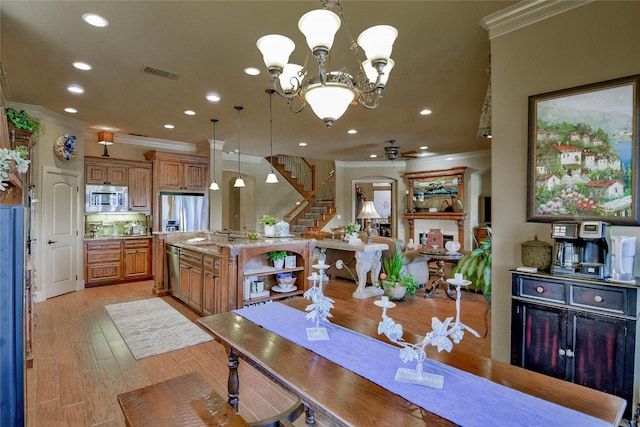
(214, 185)
(239, 183)
(329, 93)
(271, 177)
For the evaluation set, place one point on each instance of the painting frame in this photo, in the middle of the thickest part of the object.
(583, 147)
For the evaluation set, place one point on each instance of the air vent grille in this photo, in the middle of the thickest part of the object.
(160, 73)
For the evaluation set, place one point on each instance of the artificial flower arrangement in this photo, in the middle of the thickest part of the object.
(12, 160)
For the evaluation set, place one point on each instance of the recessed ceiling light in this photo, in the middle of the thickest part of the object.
(213, 97)
(373, 156)
(352, 131)
(75, 89)
(449, 158)
(169, 126)
(425, 112)
(252, 71)
(82, 66)
(95, 20)
(302, 144)
(71, 110)
(424, 147)
(190, 112)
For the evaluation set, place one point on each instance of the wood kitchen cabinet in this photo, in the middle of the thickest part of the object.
(136, 175)
(117, 260)
(214, 296)
(583, 331)
(191, 275)
(140, 184)
(103, 172)
(137, 259)
(180, 172)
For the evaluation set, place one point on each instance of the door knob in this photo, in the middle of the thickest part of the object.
(51, 241)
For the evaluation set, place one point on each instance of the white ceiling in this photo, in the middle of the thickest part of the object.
(441, 57)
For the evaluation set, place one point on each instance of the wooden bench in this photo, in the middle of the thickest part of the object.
(188, 400)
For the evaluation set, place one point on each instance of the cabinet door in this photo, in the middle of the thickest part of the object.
(599, 352)
(209, 286)
(170, 175)
(95, 174)
(538, 340)
(184, 282)
(140, 189)
(117, 175)
(136, 263)
(195, 176)
(195, 288)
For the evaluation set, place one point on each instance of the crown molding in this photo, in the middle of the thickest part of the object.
(526, 13)
(371, 164)
(144, 141)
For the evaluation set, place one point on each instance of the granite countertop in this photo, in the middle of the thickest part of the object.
(142, 236)
(211, 242)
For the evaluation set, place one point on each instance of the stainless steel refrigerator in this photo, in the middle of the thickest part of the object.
(183, 212)
(12, 348)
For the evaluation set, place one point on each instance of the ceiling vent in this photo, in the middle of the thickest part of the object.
(160, 73)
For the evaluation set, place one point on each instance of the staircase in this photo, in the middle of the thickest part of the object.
(318, 206)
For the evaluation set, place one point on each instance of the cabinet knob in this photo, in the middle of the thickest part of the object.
(570, 353)
(539, 289)
(598, 298)
(561, 352)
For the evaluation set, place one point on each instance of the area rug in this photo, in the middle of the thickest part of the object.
(151, 326)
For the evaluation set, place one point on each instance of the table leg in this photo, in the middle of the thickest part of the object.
(368, 262)
(440, 281)
(233, 383)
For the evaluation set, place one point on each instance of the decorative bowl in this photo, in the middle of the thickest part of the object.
(285, 282)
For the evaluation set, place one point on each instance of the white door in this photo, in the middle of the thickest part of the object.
(60, 231)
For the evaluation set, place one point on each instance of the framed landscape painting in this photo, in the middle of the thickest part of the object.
(583, 148)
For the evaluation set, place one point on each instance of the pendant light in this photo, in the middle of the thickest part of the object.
(239, 181)
(271, 178)
(214, 185)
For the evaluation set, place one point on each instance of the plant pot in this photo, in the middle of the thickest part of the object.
(278, 263)
(394, 291)
(269, 230)
(353, 239)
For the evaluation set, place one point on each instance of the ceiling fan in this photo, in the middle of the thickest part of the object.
(392, 152)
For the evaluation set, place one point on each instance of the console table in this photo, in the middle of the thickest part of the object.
(368, 259)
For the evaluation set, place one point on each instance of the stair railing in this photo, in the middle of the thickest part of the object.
(301, 171)
(326, 191)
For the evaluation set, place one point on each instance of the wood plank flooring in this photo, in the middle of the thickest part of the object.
(81, 362)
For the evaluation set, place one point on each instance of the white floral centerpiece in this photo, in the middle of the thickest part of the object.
(351, 231)
(14, 160)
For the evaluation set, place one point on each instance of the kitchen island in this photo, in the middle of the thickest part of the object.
(215, 272)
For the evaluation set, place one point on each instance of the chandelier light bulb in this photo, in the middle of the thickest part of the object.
(377, 41)
(276, 50)
(319, 28)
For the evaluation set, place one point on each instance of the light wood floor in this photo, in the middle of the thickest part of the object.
(81, 362)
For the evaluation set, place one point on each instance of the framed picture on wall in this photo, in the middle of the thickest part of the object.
(583, 148)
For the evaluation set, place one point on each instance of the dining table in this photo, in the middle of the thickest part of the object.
(344, 396)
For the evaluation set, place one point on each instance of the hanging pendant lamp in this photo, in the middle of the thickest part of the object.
(239, 183)
(214, 185)
(271, 177)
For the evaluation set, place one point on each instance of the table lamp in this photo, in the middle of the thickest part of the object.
(368, 212)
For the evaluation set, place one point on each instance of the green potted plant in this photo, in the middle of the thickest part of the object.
(269, 223)
(21, 120)
(476, 267)
(278, 258)
(395, 283)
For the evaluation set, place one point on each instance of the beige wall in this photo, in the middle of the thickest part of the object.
(593, 43)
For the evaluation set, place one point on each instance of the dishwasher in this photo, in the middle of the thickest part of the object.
(173, 258)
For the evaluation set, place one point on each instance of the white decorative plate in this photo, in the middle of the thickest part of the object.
(452, 246)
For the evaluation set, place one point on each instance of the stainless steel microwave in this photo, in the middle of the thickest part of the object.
(107, 198)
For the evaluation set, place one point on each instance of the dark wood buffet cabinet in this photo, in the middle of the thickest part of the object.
(579, 330)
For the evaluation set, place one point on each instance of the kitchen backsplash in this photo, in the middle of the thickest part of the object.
(116, 224)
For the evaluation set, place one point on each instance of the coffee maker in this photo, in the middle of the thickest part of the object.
(580, 249)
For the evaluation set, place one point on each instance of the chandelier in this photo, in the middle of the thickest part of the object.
(329, 93)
